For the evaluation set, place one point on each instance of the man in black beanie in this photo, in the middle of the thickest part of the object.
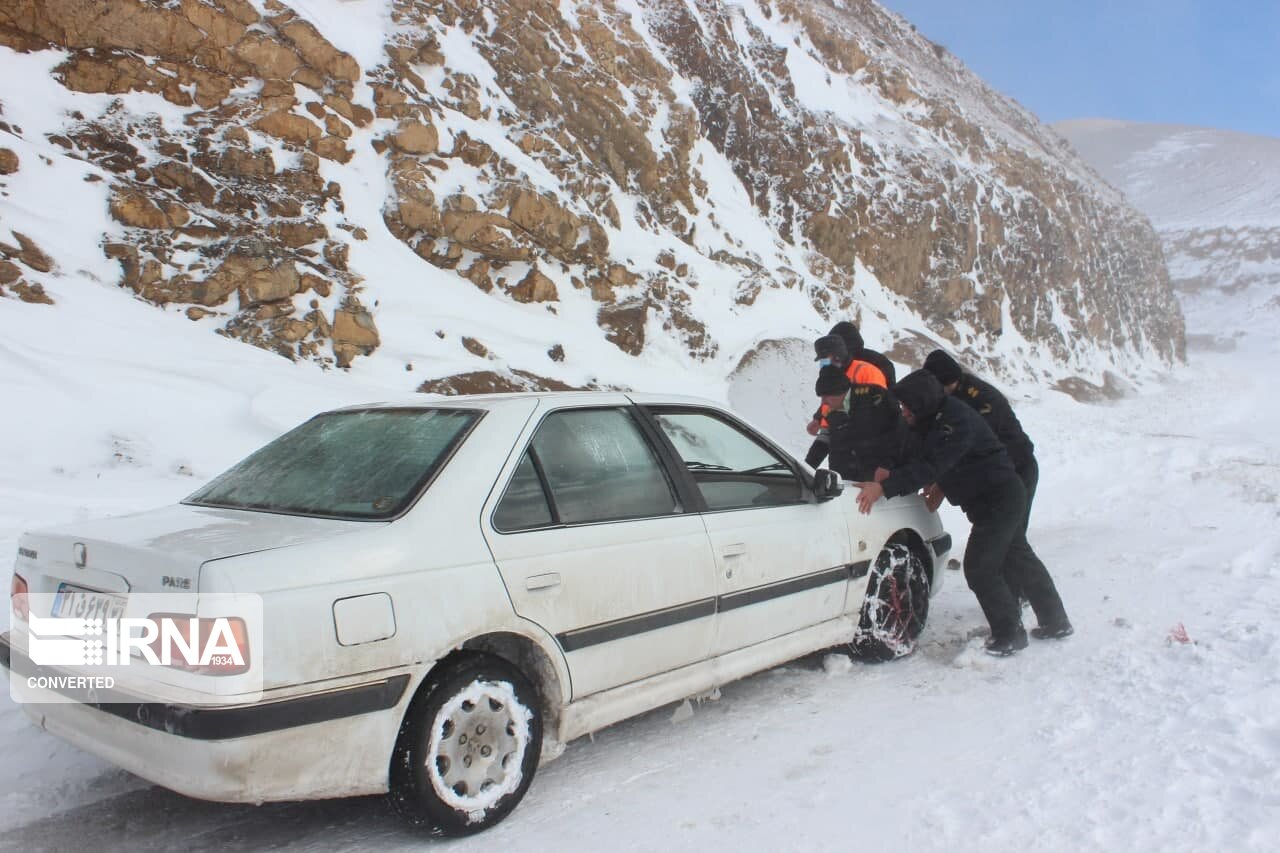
(984, 399)
(962, 456)
(833, 383)
(994, 407)
(852, 338)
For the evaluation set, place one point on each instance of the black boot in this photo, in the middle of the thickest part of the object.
(1003, 645)
(1053, 631)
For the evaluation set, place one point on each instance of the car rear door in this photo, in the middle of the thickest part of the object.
(782, 557)
(596, 547)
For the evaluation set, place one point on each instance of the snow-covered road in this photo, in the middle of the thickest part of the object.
(1157, 511)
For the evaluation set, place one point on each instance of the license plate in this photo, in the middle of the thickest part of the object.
(75, 602)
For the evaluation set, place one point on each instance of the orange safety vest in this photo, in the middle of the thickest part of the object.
(859, 373)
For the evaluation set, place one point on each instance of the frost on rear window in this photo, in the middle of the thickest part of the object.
(360, 464)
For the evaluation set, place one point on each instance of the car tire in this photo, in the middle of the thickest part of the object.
(896, 606)
(468, 748)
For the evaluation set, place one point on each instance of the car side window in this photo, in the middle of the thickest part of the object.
(598, 466)
(731, 468)
(524, 505)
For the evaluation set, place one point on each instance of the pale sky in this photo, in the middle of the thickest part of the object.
(1214, 64)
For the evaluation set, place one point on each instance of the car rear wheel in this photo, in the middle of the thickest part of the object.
(896, 606)
(468, 747)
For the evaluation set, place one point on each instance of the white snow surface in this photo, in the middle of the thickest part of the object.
(1157, 511)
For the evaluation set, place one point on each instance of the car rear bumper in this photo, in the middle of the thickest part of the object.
(332, 743)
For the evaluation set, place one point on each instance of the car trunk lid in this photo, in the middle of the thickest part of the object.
(161, 550)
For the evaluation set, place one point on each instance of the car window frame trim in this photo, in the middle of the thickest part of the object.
(682, 472)
(646, 435)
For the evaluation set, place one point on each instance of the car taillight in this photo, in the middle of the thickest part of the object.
(206, 645)
(18, 597)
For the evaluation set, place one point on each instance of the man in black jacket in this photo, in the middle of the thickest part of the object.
(984, 399)
(961, 455)
(994, 407)
(858, 349)
(863, 424)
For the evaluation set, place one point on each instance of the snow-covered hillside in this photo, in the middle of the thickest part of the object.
(1158, 511)
(1182, 177)
(545, 193)
(1214, 198)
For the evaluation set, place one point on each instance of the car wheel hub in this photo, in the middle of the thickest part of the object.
(477, 746)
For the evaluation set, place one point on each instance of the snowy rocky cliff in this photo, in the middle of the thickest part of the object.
(1214, 198)
(547, 193)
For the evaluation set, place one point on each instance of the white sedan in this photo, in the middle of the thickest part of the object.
(453, 590)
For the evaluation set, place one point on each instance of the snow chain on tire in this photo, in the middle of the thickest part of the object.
(895, 607)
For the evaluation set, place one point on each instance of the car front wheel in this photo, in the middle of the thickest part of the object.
(896, 606)
(468, 747)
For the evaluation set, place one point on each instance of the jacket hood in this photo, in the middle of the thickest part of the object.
(849, 334)
(922, 393)
(943, 366)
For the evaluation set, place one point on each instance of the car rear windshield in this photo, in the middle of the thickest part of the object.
(366, 464)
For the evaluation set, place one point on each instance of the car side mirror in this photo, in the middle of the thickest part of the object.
(827, 485)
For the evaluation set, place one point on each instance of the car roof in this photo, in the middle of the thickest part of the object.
(517, 398)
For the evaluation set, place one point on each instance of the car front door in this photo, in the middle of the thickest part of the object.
(595, 546)
(782, 557)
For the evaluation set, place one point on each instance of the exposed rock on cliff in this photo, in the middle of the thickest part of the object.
(689, 174)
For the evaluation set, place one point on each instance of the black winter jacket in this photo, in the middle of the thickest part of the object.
(984, 399)
(853, 342)
(957, 449)
(866, 433)
(880, 361)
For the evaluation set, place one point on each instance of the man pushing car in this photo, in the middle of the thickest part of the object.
(961, 455)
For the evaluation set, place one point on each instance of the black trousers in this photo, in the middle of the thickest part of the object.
(1030, 578)
(998, 561)
(996, 518)
(1029, 474)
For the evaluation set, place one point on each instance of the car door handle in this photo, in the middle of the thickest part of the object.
(542, 581)
(736, 549)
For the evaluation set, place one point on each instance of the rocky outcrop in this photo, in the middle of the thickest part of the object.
(968, 247)
(672, 166)
(1230, 258)
(354, 333)
(18, 261)
(492, 382)
(192, 199)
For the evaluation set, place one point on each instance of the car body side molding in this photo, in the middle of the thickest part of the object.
(591, 635)
(618, 629)
(791, 586)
